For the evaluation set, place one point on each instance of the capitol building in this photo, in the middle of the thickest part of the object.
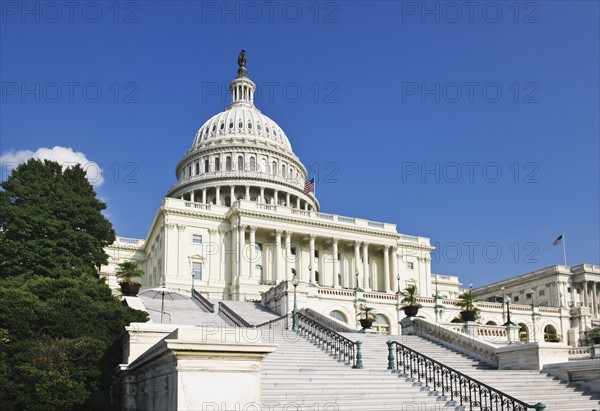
(242, 224)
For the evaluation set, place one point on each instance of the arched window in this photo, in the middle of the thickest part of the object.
(523, 332)
(338, 315)
(491, 323)
(240, 164)
(293, 272)
(550, 334)
(197, 167)
(217, 164)
(228, 163)
(258, 271)
(206, 166)
(252, 164)
(283, 171)
(274, 168)
(227, 201)
(381, 324)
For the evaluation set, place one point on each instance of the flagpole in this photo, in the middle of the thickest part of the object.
(564, 241)
(315, 187)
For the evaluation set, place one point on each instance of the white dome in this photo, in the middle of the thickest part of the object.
(241, 120)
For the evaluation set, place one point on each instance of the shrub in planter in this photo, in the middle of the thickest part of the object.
(366, 316)
(410, 299)
(126, 272)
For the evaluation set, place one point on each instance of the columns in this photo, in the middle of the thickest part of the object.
(287, 199)
(218, 195)
(386, 268)
(366, 271)
(253, 251)
(594, 299)
(276, 198)
(278, 266)
(262, 195)
(336, 263)
(247, 197)
(298, 203)
(585, 294)
(240, 257)
(357, 264)
(395, 269)
(192, 196)
(232, 194)
(311, 269)
(204, 195)
(288, 255)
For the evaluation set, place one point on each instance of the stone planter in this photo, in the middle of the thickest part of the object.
(410, 310)
(130, 290)
(366, 323)
(467, 315)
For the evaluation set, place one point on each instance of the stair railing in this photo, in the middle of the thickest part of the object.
(203, 301)
(341, 347)
(466, 392)
(228, 314)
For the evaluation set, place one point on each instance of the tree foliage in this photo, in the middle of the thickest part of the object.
(60, 325)
(43, 207)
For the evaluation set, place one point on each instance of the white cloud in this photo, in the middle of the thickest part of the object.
(62, 155)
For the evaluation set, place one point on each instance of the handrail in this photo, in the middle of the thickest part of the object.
(203, 301)
(327, 321)
(341, 347)
(229, 314)
(270, 322)
(465, 390)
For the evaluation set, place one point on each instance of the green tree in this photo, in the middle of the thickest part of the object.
(60, 325)
(51, 222)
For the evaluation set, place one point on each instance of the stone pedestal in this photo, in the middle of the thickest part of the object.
(531, 356)
(407, 326)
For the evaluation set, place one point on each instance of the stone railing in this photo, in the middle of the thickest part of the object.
(328, 321)
(199, 206)
(449, 337)
(578, 353)
(335, 292)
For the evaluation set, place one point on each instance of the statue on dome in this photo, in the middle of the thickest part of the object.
(242, 63)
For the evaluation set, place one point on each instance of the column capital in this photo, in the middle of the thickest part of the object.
(288, 233)
(313, 237)
(366, 244)
(335, 240)
(386, 247)
(278, 232)
(212, 231)
(243, 227)
(253, 228)
(357, 243)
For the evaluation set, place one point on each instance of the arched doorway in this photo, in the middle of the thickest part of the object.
(550, 334)
(381, 324)
(523, 332)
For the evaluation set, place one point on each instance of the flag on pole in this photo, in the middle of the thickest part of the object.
(309, 186)
(558, 240)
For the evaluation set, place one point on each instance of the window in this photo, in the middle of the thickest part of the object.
(197, 167)
(381, 324)
(293, 250)
(410, 266)
(317, 277)
(190, 171)
(217, 164)
(228, 163)
(240, 165)
(252, 164)
(258, 247)
(316, 253)
(227, 201)
(196, 239)
(197, 271)
(338, 316)
(528, 296)
(542, 292)
(258, 270)
(206, 166)
(516, 299)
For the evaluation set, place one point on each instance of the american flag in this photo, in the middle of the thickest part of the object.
(558, 240)
(309, 186)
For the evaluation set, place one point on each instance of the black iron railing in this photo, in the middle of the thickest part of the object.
(341, 347)
(203, 301)
(228, 314)
(464, 391)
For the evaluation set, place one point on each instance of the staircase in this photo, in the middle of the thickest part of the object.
(301, 376)
(253, 312)
(525, 385)
(182, 310)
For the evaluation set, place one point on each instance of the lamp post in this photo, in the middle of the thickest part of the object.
(503, 303)
(295, 283)
(437, 307)
(508, 321)
(193, 274)
(533, 315)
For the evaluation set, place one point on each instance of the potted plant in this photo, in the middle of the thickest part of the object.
(366, 316)
(410, 300)
(467, 303)
(594, 334)
(126, 272)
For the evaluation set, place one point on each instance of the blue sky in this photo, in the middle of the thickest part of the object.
(477, 127)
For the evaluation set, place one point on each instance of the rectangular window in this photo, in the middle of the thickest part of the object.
(410, 266)
(197, 271)
(196, 239)
(516, 299)
(197, 167)
(316, 253)
(528, 296)
(542, 292)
